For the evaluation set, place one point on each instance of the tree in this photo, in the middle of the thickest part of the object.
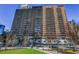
(4, 38)
(25, 38)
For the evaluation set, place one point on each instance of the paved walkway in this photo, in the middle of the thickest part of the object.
(5, 48)
(49, 52)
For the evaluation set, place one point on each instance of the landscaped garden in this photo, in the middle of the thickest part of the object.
(21, 51)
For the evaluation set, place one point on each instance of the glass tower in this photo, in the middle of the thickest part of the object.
(2, 29)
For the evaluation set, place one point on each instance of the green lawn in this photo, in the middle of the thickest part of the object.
(21, 51)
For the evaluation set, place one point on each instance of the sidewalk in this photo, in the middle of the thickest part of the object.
(49, 52)
(6, 48)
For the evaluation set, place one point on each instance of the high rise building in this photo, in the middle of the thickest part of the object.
(78, 32)
(42, 24)
(2, 29)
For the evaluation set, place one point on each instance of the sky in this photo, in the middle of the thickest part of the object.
(7, 12)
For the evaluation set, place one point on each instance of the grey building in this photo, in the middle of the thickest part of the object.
(40, 24)
(27, 22)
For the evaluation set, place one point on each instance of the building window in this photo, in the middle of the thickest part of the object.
(50, 21)
(60, 20)
(37, 25)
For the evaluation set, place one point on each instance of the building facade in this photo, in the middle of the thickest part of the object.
(40, 24)
(78, 33)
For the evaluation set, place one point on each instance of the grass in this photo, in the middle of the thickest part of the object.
(21, 51)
